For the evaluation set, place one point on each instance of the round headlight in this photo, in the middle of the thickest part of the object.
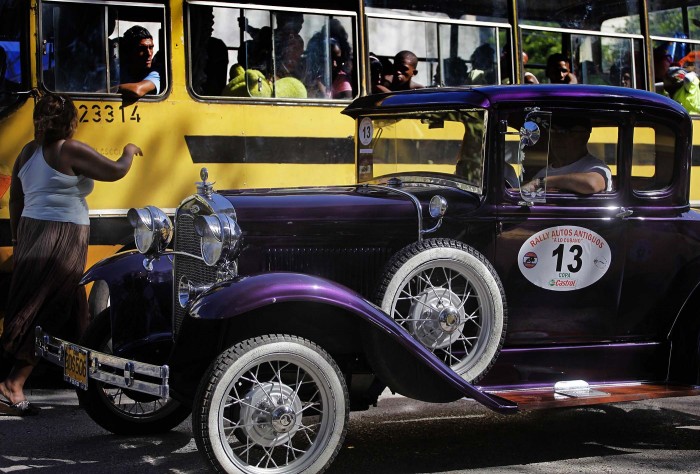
(153, 230)
(220, 237)
(438, 206)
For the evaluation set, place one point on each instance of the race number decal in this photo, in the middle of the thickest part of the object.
(564, 258)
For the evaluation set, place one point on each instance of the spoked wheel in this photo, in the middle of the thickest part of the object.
(124, 411)
(448, 297)
(274, 404)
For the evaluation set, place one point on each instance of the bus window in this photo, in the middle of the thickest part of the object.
(601, 40)
(261, 53)
(84, 50)
(13, 53)
(457, 43)
(674, 28)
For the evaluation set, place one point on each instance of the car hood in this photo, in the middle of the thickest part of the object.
(373, 211)
(328, 230)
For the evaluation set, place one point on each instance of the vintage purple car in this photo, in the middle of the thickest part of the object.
(524, 246)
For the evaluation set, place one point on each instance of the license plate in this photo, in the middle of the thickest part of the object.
(76, 365)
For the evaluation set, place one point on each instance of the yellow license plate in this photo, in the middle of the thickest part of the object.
(76, 364)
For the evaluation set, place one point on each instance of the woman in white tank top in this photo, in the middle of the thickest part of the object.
(49, 218)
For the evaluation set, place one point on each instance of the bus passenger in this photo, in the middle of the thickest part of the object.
(50, 229)
(138, 76)
(6, 85)
(662, 61)
(620, 76)
(341, 88)
(528, 77)
(558, 70)
(288, 43)
(405, 64)
(571, 166)
(376, 67)
(456, 72)
(483, 71)
(322, 81)
(683, 87)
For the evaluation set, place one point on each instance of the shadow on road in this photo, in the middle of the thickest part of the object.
(487, 440)
(400, 436)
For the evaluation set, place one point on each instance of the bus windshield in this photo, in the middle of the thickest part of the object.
(443, 144)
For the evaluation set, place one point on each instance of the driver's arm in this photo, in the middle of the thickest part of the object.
(582, 183)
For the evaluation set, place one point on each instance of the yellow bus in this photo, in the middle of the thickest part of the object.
(254, 90)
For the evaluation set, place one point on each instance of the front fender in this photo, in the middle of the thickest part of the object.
(140, 299)
(244, 294)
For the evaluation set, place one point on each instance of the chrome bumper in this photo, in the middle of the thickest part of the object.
(109, 369)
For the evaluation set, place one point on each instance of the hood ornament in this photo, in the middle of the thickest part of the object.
(203, 186)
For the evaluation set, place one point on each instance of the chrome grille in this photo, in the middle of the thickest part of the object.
(195, 270)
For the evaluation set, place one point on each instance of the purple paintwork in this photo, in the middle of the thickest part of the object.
(245, 294)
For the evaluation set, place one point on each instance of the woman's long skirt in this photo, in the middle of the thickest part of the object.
(49, 260)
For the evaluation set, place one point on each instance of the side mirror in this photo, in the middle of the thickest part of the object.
(529, 134)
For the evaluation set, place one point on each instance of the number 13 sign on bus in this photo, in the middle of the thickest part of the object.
(564, 258)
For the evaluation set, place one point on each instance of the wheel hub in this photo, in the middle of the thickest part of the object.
(283, 419)
(269, 414)
(436, 318)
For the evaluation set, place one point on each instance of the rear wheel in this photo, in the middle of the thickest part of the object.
(273, 404)
(119, 410)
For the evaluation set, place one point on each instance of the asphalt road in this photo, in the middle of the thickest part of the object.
(399, 436)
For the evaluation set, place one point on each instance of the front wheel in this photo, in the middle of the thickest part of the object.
(273, 404)
(119, 410)
(448, 297)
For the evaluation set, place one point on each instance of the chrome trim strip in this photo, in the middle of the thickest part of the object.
(170, 211)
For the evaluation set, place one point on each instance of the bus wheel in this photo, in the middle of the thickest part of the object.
(448, 297)
(119, 410)
(271, 404)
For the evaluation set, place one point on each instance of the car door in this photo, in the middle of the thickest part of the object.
(561, 254)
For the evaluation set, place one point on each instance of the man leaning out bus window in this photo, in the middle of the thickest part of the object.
(138, 76)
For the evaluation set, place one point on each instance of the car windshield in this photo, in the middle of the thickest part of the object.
(442, 144)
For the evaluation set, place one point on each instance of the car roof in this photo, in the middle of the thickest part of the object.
(493, 96)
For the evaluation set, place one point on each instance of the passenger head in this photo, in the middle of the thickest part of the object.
(376, 69)
(339, 56)
(455, 71)
(483, 57)
(662, 61)
(558, 68)
(55, 118)
(137, 45)
(569, 138)
(289, 22)
(620, 76)
(405, 64)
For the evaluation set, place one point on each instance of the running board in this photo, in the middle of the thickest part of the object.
(575, 393)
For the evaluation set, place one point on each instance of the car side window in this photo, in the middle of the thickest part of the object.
(575, 154)
(653, 152)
